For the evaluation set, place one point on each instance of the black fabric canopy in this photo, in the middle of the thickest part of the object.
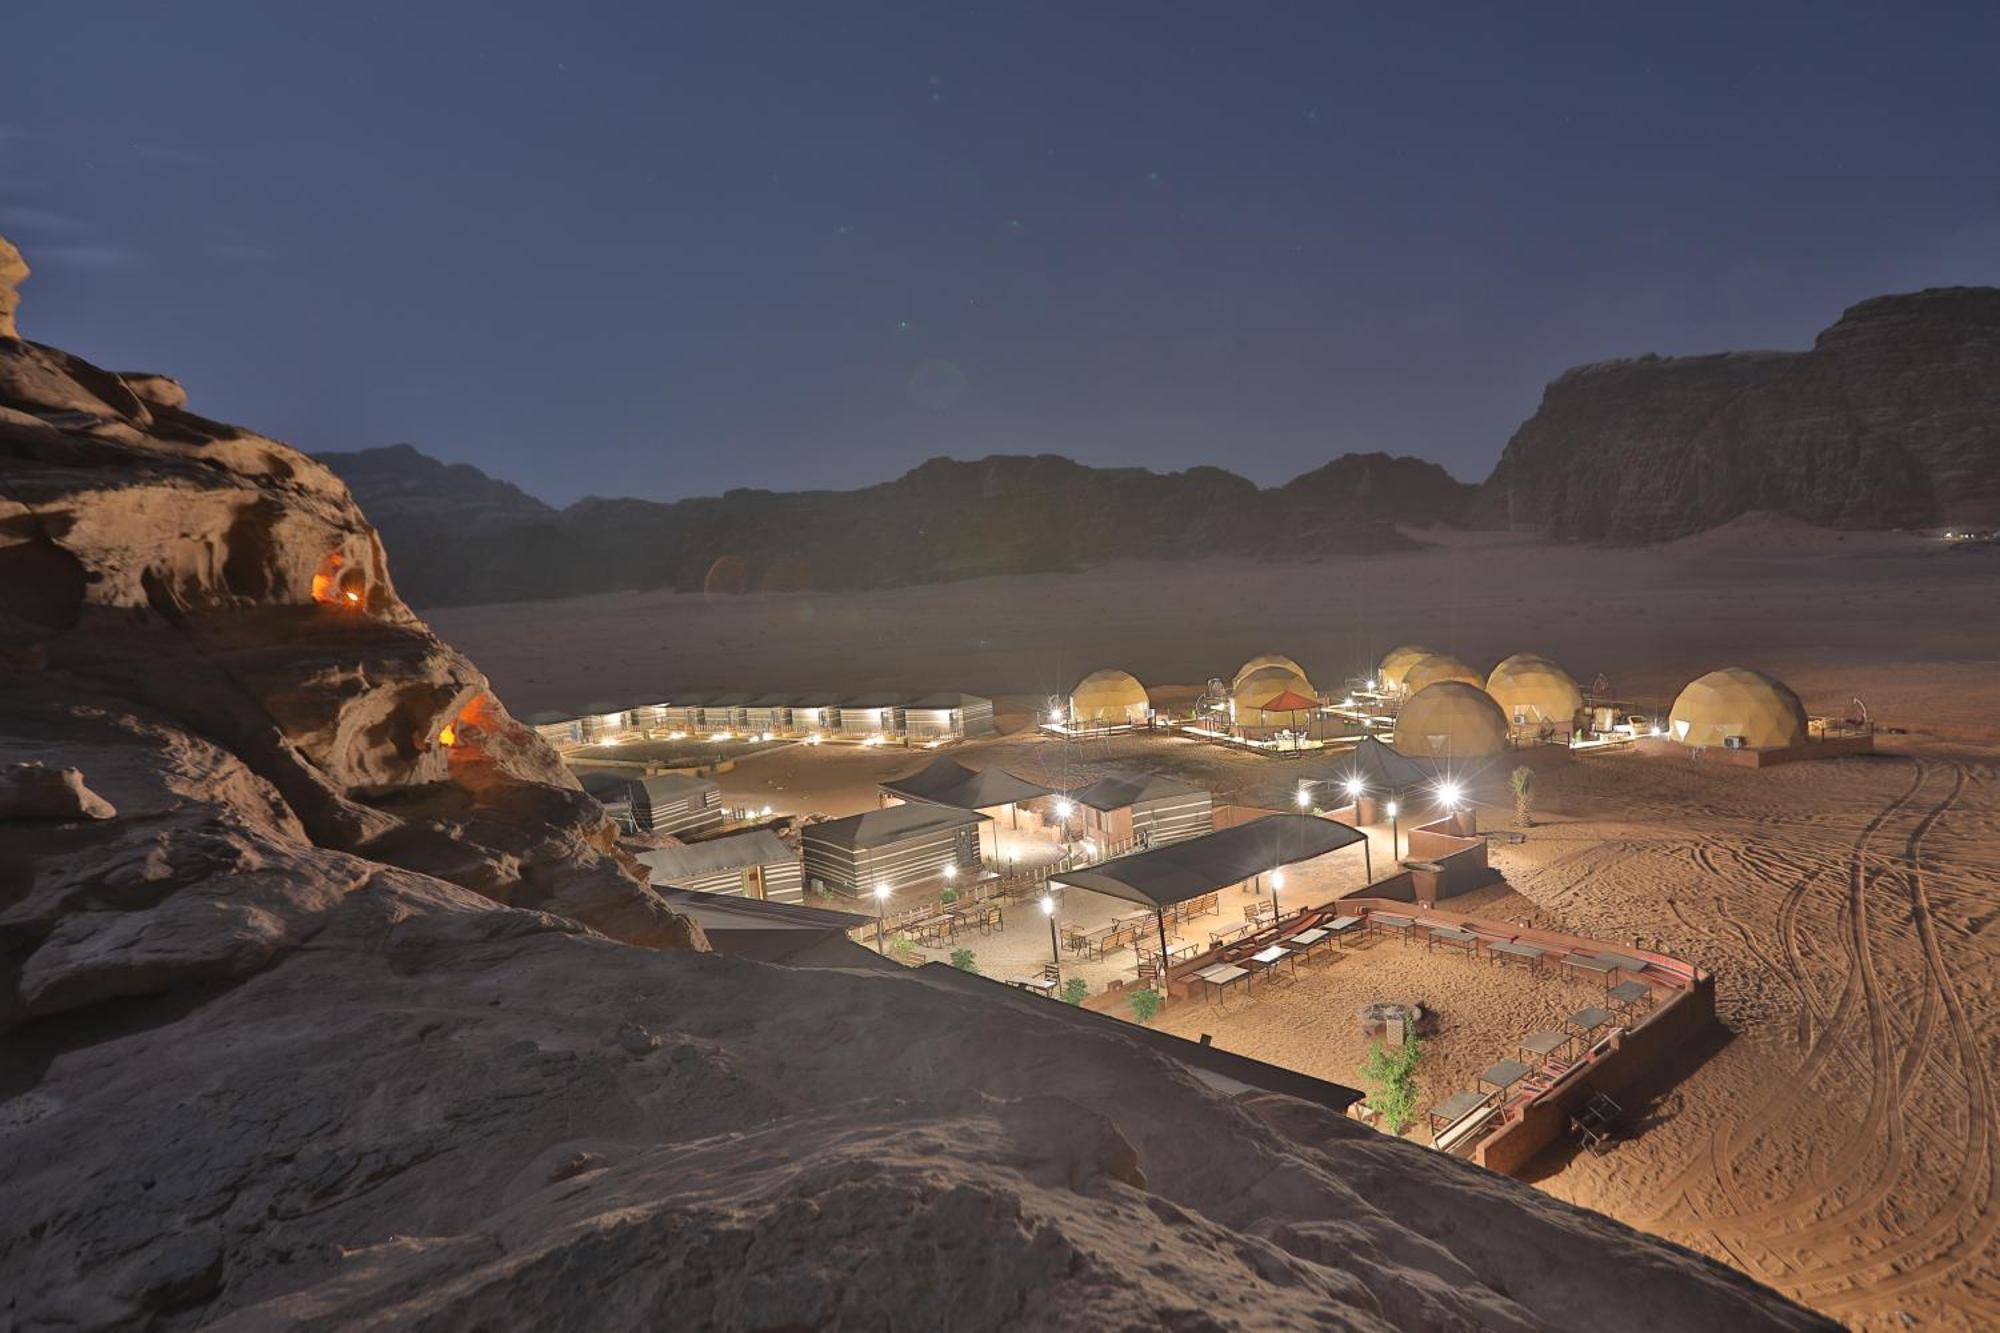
(945, 781)
(1381, 768)
(1122, 789)
(1184, 870)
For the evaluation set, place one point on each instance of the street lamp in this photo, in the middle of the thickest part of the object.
(1395, 840)
(881, 901)
(1049, 911)
(1305, 796)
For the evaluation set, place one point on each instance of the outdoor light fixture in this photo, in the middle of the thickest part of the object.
(1393, 809)
(1278, 879)
(1064, 809)
(1448, 795)
(1055, 716)
(882, 892)
(1089, 847)
(1048, 905)
(1305, 797)
(1354, 788)
(881, 901)
(951, 872)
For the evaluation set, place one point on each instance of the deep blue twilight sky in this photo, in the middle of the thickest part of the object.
(668, 249)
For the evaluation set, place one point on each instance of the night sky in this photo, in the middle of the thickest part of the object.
(669, 249)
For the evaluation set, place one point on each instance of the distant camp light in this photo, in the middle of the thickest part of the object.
(1353, 786)
(1048, 905)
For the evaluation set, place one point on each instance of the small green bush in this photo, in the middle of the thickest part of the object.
(948, 897)
(1391, 1080)
(1075, 991)
(963, 960)
(1145, 1004)
(902, 948)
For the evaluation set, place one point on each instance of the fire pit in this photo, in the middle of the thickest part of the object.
(1415, 1016)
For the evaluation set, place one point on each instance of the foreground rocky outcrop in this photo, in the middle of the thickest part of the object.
(460, 537)
(1891, 420)
(327, 1009)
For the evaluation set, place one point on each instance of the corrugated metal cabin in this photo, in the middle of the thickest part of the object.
(900, 846)
(769, 712)
(1126, 810)
(724, 712)
(951, 716)
(683, 711)
(872, 715)
(756, 864)
(558, 729)
(816, 712)
(674, 803)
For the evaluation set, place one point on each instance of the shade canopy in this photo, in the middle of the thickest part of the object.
(1380, 768)
(1120, 790)
(945, 781)
(1291, 701)
(1184, 870)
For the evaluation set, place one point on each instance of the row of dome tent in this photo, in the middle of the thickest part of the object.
(948, 716)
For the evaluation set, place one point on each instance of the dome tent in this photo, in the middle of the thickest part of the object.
(1532, 690)
(1263, 660)
(1737, 701)
(1437, 668)
(1109, 699)
(1397, 664)
(1256, 688)
(1450, 720)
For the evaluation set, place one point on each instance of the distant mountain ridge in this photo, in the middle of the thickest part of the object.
(461, 537)
(1891, 419)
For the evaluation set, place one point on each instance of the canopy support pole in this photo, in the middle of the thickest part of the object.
(1160, 919)
(1367, 860)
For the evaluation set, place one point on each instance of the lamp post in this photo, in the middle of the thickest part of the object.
(1277, 882)
(1305, 797)
(1055, 950)
(881, 901)
(1354, 789)
(1449, 795)
(1395, 839)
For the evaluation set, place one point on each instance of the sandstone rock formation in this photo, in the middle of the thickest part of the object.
(338, 1020)
(1891, 420)
(944, 520)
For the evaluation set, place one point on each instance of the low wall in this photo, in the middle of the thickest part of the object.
(1634, 1057)
(1460, 859)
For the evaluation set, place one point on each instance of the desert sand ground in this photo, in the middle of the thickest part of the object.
(1842, 1142)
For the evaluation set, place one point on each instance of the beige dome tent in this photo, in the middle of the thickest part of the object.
(1397, 665)
(1109, 699)
(1450, 720)
(1532, 690)
(1438, 668)
(1256, 688)
(1737, 701)
(1268, 660)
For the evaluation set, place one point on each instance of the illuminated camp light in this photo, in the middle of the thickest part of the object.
(1353, 787)
(720, 736)
(1448, 795)
(1304, 797)
(1064, 809)
(1277, 879)
(1048, 905)
(882, 891)
(1055, 717)
(1393, 809)
(951, 872)
(1089, 847)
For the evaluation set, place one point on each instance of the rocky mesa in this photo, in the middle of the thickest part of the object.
(327, 1000)
(1892, 419)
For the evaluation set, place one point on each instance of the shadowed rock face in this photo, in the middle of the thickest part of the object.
(1891, 420)
(311, 1020)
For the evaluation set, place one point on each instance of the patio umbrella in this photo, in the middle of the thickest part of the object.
(1291, 701)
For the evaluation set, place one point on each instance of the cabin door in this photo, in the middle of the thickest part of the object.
(753, 882)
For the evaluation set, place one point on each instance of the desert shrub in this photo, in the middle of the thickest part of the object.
(1522, 780)
(1391, 1079)
(1075, 991)
(948, 896)
(1145, 1004)
(964, 961)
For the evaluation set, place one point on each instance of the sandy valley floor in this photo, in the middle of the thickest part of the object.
(1842, 1144)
